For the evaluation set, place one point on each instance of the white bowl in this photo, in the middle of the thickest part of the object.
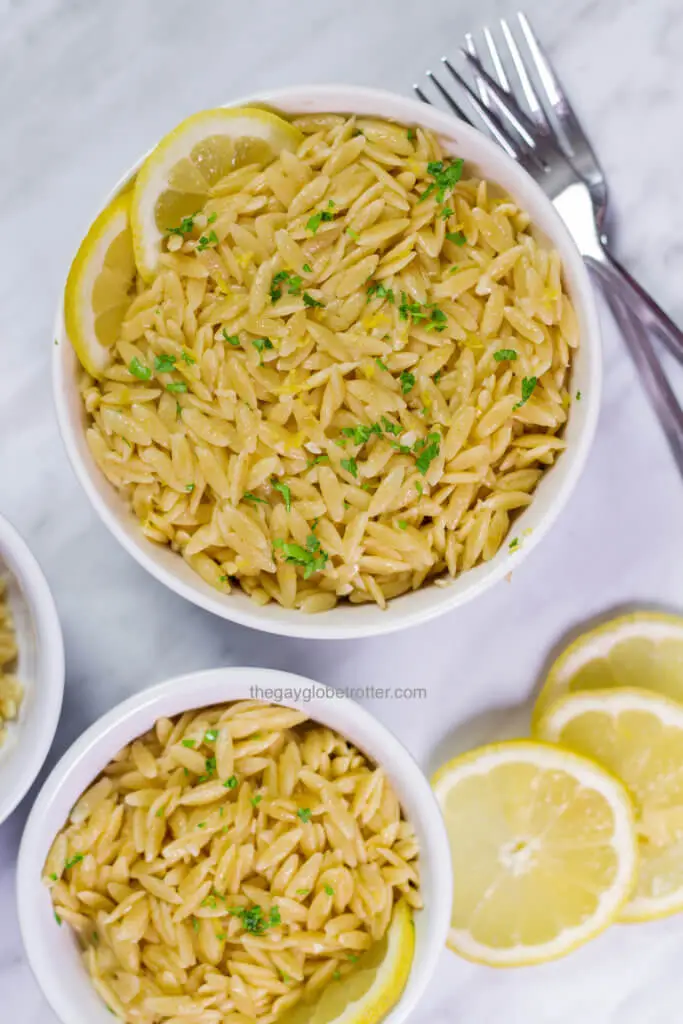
(347, 620)
(52, 950)
(40, 669)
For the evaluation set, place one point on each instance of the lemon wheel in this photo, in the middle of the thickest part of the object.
(178, 176)
(639, 736)
(101, 286)
(543, 847)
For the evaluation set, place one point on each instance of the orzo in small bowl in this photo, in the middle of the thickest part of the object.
(239, 861)
(329, 360)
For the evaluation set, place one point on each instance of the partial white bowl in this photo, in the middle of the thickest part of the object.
(347, 620)
(40, 669)
(52, 950)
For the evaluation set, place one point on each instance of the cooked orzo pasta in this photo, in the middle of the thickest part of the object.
(11, 690)
(230, 863)
(348, 375)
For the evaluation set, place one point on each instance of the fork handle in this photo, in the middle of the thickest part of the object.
(641, 304)
(652, 376)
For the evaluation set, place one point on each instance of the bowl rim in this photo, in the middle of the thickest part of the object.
(29, 577)
(92, 750)
(329, 625)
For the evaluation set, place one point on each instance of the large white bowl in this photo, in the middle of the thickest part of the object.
(52, 950)
(347, 620)
(40, 669)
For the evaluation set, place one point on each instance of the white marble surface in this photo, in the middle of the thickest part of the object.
(89, 84)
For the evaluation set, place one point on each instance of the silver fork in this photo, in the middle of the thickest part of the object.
(545, 137)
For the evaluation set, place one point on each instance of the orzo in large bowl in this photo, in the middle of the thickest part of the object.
(338, 365)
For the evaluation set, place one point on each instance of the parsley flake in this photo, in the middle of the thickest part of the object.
(231, 339)
(351, 466)
(189, 488)
(456, 237)
(382, 366)
(446, 177)
(189, 743)
(230, 783)
(139, 370)
(430, 451)
(329, 890)
(504, 354)
(528, 386)
(248, 496)
(164, 363)
(313, 303)
(185, 227)
(304, 813)
(177, 387)
(407, 381)
(206, 240)
(293, 282)
(76, 859)
(312, 558)
(284, 490)
(211, 735)
(307, 268)
(381, 291)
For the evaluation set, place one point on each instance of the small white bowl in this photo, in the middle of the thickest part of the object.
(52, 950)
(40, 669)
(347, 620)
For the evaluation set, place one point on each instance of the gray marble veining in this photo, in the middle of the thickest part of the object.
(89, 84)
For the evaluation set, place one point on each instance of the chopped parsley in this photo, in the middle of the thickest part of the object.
(185, 227)
(390, 428)
(329, 890)
(446, 213)
(254, 921)
(248, 496)
(58, 919)
(260, 344)
(446, 177)
(76, 859)
(578, 396)
(417, 311)
(456, 237)
(312, 558)
(195, 924)
(317, 460)
(211, 735)
(189, 488)
(164, 363)
(307, 268)
(419, 488)
(430, 451)
(381, 291)
(352, 234)
(410, 135)
(177, 387)
(337, 975)
(160, 812)
(206, 240)
(313, 303)
(256, 800)
(231, 339)
(304, 813)
(382, 366)
(514, 544)
(407, 381)
(53, 877)
(293, 282)
(360, 434)
(528, 386)
(302, 892)
(322, 216)
(230, 783)
(353, 957)
(505, 354)
(284, 491)
(351, 466)
(212, 218)
(187, 358)
(189, 743)
(139, 370)
(402, 524)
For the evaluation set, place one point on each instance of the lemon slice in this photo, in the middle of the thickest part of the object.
(366, 994)
(543, 847)
(644, 649)
(639, 736)
(177, 178)
(101, 286)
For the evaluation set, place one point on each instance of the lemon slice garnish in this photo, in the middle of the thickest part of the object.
(543, 848)
(101, 286)
(368, 992)
(639, 736)
(643, 649)
(178, 176)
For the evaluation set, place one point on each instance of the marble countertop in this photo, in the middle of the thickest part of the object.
(87, 86)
